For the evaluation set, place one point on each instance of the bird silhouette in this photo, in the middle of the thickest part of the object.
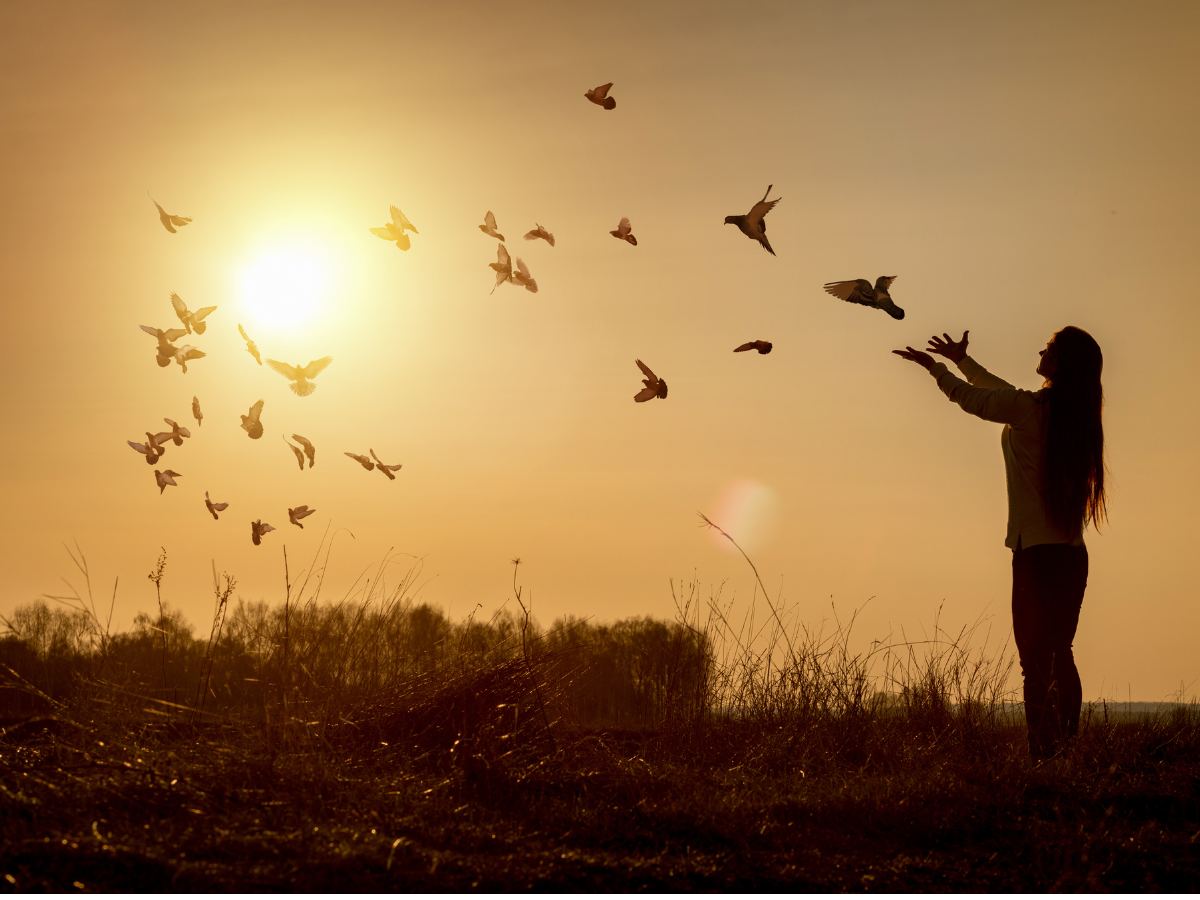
(384, 468)
(540, 232)
(502, 265)
(187, 353)
(162, 479)
(309, 450)
(489, 226)
(522, 277)
(151, 449)
(364, 461)
(177, 433)
(753, 224)
(298, 513)
(196, 414)
(192, 320)
(624, 232)
(257, 529)
(251, 422)
(300, 375)
(251, 347)
(169, 221)
(297, 452)
(213, 508)
(859, 290)
(165, 351)
(394, 230)
(599, 96)
(760, 346)
(654, 386)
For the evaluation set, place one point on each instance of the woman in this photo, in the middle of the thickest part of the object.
(1053, 445)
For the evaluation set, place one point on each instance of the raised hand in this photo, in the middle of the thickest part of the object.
(917, 356)
(948, 348)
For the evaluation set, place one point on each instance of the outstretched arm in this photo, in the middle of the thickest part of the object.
(956, 352)
(1000, 404)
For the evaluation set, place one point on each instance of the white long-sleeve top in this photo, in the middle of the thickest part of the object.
(1023, 414)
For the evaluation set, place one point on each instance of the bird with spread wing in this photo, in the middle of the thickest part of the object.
(859, 290)
(301, 376)
(170, 222)
(193, 320)
(394, 230)
(754, 223)
(654, 386)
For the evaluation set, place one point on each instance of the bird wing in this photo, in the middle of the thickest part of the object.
(375, 457)
(297, 452)
(203, 313)
(361, 460)
(601, 91)
(140, 448)
(256, 411)
(385, 233)
(850, 291)
(523, 269)
(180, 307)
(152, 331)
(754, 218)
(645, 394)
(489, 221)
(883, 282)
(242, 332)
(314, 368)
(747, 346)
(290, 372)
(623, 226)
(646, 370)
(218, 506)
(401, 220)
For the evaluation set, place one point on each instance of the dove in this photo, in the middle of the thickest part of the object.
(300, 375)
(624, 232)
(297, 452)
(192, 321)
(599, 96)
(363, 461)
(251, 347)
(213, 508)
(257, 529)
(760, 346)
(654, 386)
(165, 478)
(251, 422)
(859, 290)
(753, 224)
(151, 449)
(522, 277)
(502, 265)
(196, 414)
(185, 354)
(394, 230)
(166, 338)
(540, 232)
(309, 450)
(177, 433)
(169, 221)
(489, 226)
(295, 515)
(384, 468)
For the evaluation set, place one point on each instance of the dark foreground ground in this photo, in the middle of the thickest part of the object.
(888, 804)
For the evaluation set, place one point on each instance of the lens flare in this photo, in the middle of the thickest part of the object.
(746, 509)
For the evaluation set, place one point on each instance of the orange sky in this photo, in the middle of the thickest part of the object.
(1019, 168)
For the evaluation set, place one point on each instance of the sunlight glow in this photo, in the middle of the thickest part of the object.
(745, 509)
(285, 286)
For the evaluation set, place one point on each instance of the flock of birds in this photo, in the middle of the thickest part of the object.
(397, 231)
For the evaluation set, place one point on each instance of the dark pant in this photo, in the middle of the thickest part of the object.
(1048, 585)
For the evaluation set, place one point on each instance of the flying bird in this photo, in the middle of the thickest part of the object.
(760, 346)
(384, 468)
(192, 320)
(654, 386)
(297, 452)
(295, 515)
(165, 352)
(502, 265)
(177, 433)
(185, 354)
(300, 375)
(624, 232)
(364, 461)
(489, 226)
(151, 449)
(165, 478)
(213, 508)
(309, 450)
(251, 422)
(257, 529)
(251, 347)
(599, 96)
(522, 277)
(859, 290)
(196, 414)
(394, 230)
(753, 224)
(169, 221)
(540, 232)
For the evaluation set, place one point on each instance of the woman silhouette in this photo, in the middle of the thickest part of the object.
(1053, 446)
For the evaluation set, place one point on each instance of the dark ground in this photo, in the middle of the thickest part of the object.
(889, 805)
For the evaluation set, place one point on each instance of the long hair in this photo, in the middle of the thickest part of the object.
(1074, 461)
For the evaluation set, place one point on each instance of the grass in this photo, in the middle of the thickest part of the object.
(331, 750)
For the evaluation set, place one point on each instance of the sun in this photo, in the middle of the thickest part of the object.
(284, 287)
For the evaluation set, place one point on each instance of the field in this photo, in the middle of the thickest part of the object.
(369, 744)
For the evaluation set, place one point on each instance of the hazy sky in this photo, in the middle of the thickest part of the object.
(1018, 166)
